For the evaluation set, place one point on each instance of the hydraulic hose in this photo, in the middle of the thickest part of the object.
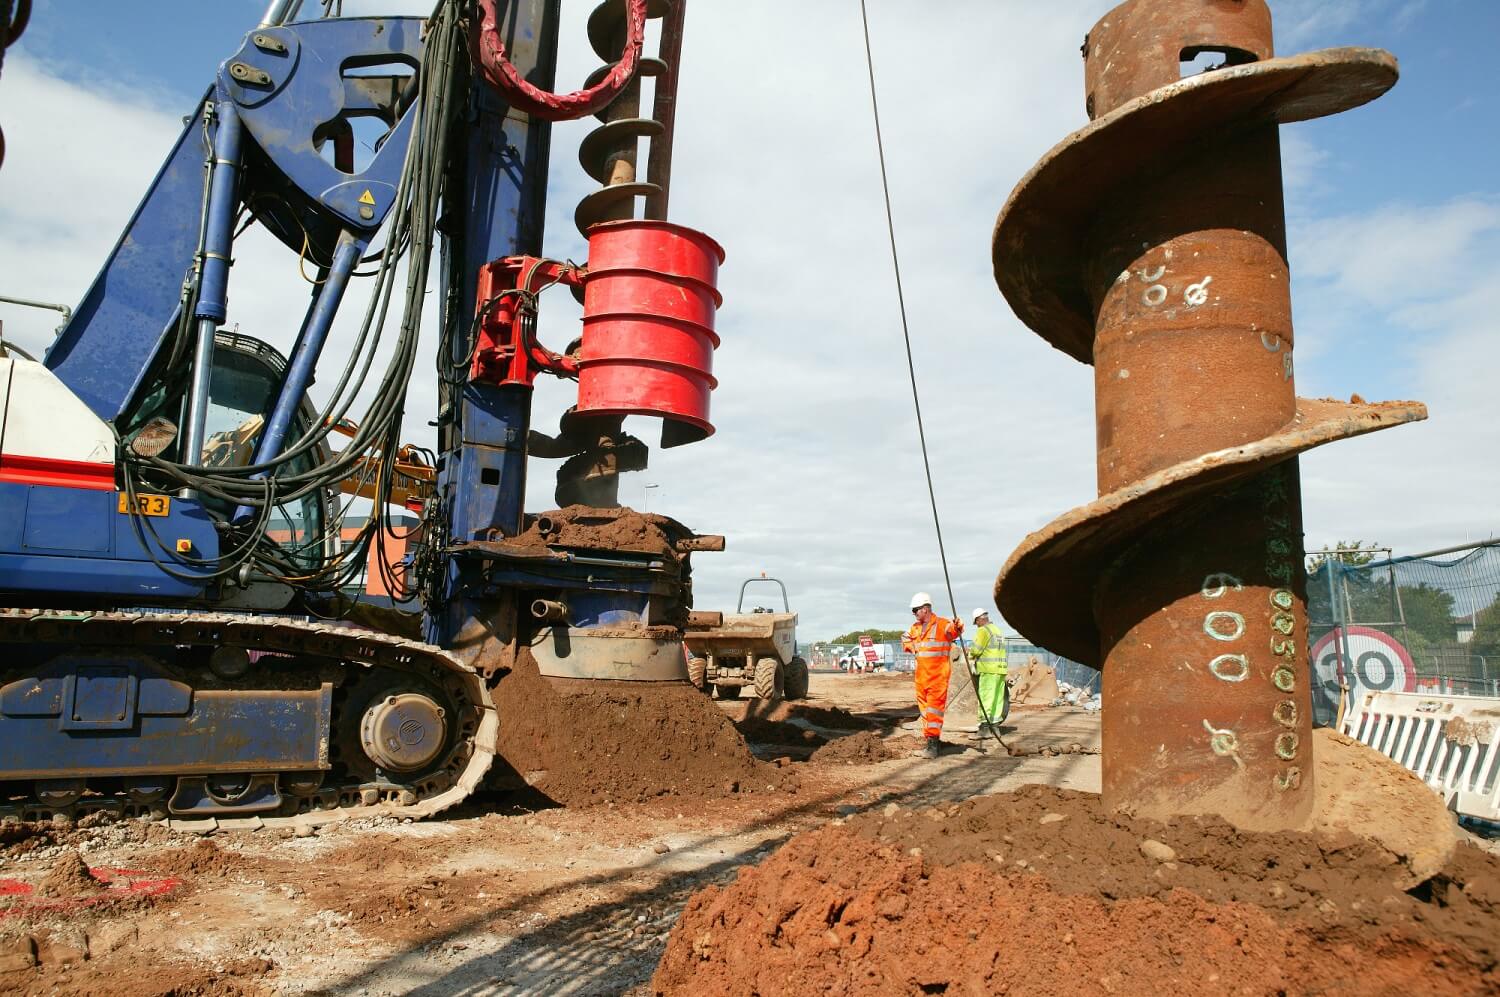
(488, 51)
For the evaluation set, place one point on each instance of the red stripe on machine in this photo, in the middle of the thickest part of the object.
(26, 470)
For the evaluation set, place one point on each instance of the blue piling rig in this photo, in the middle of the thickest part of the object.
(160, 602)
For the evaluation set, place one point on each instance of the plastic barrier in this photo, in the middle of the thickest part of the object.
(1450, 742)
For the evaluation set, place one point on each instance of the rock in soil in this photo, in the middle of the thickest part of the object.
(991, 899)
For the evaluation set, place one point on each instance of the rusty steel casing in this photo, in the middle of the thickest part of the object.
(1151, 244)
(1204, 619)
(1137, 48)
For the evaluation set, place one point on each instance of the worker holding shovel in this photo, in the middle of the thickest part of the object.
(989, 663)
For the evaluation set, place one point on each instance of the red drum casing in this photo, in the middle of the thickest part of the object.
(649, 300)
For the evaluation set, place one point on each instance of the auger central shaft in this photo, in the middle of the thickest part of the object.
(1193, 354)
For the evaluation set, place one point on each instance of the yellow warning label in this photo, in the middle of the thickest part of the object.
(367, 197)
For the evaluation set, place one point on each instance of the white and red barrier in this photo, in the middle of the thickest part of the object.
(1450, 742)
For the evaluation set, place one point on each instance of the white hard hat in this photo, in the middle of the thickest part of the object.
(921, 599)
(978, 613)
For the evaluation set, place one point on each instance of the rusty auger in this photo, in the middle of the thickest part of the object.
(1151, 244)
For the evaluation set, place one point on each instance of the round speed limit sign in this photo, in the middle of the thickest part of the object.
(1373, 661)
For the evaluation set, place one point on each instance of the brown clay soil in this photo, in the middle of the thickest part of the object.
(1041, 892)
(68, 877)
(780, 711)
(1361, 791)
(583, 743)
(200, 858)
(758, 731)
(586, 527)
(861, 748)
(510, 893)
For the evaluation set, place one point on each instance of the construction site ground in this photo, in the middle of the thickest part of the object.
(507, 894)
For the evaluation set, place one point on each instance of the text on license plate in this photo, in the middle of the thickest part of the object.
(146, 505)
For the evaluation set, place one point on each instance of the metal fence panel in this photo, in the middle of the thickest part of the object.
(1425, 623)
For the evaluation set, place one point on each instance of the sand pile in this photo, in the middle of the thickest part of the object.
(1363, 791)
(585, 743)
(1033, 684)
(69, 876)
(934, 902)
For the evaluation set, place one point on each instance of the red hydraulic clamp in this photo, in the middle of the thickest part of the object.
(506, 350)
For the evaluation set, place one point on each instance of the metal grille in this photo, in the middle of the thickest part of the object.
(1422, 623)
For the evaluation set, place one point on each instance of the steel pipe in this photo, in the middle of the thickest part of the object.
(549, 611)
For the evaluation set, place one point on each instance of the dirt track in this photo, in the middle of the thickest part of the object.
(507, 895)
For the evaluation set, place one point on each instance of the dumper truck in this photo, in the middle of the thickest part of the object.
(756, 648)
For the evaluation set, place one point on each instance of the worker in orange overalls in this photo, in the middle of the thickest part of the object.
(931, 639)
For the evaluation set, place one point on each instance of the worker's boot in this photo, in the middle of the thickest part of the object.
(930, 749)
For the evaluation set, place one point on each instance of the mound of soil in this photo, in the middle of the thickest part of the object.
(585, 743)
(201, 858)
(160, 978)
(770, 732)
(1043, 892)
(1363, 791)
(857, 749)
(589, 528)
(68, 877)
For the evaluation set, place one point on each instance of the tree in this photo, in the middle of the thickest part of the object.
(1486, 639)
(1428, 612)
(1353, 553)
(1367, 596)
(1365, 604)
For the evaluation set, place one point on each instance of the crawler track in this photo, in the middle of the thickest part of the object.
(299, 651)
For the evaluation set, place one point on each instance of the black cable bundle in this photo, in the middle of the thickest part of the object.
(308, 465)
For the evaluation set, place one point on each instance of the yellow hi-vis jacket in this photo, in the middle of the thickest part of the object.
(989, 650)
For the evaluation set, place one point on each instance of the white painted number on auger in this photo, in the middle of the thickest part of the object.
(1197, 294)
(1225, 626)
(1156, 293)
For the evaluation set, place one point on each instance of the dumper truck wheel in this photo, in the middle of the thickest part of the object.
(698, 672)
(768, 678)
(794, 685)
(728, 691)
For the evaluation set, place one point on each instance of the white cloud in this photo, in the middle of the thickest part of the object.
(1423, 282)
(1304, 24)
(814, 473)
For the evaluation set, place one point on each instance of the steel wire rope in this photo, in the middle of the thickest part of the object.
(911, 368)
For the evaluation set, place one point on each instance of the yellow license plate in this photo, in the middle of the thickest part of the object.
(147, 505)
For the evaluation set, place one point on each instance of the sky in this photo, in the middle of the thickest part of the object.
(814, 473)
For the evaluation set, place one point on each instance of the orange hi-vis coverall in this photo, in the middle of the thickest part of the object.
(932, 646)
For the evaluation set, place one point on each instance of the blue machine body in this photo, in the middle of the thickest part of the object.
(73, 540)
(256, 142)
